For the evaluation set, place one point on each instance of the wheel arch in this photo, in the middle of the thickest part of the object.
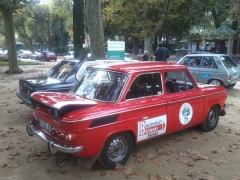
(126, 131)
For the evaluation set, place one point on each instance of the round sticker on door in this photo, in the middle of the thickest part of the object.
(185, 113)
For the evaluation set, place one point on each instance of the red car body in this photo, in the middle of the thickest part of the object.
(106, 126)
(49, 55)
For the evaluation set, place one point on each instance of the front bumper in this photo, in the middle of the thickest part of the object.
(231, 82)
(31, 129)
(24, 99)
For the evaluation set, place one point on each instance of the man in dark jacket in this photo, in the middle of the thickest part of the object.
(145, 56)
(161, 53)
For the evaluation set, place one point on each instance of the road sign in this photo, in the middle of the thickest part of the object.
(116, 49)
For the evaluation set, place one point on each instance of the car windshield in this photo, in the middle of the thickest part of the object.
(100, 85)
(61, 70)
(228, 62)
(51, 53)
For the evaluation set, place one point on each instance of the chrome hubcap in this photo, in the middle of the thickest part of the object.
(117, 149)
(215, 82)
(212, 117)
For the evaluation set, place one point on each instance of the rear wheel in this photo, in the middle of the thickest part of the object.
(117, 149)
(211, 120)
(216, 82)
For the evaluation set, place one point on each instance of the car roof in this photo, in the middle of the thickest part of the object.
(205, 54)
(132, 67)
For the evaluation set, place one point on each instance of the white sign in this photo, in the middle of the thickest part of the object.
(116, 46)
(152, 127)
(185, 113)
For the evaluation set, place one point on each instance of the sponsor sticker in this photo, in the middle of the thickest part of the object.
(185, 113)
(151, 127)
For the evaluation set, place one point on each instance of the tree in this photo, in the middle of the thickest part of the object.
(7, 9)
(95, 28)
(78, 27)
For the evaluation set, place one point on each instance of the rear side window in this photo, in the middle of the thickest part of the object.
(227, 61)
(177, 81)
(208, 62)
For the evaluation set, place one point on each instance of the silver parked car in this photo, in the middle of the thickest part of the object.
(217, 69)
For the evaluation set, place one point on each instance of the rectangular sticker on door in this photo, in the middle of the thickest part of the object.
(152, 127)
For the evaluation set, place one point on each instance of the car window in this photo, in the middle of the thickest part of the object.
(177, 81)
(100, 85)
(208, 63)
(145, 85)
(227, 61)
(51, 53)
(191, 61)
(61, 70)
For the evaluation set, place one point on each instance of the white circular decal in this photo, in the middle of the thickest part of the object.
(185, 113)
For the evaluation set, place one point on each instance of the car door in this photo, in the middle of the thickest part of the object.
(185, 104)
(189, 61)
(208, 70)
(148, 106)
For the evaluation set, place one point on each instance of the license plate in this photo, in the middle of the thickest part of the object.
(44, 125)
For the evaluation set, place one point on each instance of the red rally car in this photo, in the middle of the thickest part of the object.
(115, 106)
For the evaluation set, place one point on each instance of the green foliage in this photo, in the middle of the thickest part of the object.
(61, 50)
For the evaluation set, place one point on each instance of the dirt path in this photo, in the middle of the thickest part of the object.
(189, 154)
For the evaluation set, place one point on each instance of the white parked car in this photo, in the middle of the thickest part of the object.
(24, 54)
(69, 56)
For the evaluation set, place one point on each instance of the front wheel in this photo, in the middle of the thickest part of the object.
(211, 120)
(216, 82)
(117, 149)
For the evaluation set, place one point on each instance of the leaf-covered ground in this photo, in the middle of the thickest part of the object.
(188, 154)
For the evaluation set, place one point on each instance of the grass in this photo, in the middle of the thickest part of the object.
(4, 63)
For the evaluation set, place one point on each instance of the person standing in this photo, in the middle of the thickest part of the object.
(161, 53)
(145, 56)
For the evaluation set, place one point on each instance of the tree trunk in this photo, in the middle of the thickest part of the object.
(78, 27)
(11, 43)
(95, 28)
(148, 46)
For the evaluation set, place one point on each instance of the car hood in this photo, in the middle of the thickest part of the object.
(41, 80)
(210, 87)
(61, 101)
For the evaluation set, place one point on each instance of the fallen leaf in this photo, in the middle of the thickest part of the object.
(103, 174)
(3, 135)
(64, 172)
(128, 171)
(119, 167)
(190, 163)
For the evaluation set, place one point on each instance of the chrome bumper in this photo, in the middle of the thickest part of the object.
(31, 129)
(26, 101)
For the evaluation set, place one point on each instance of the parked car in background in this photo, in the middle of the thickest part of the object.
(217, 69)
(1, 52)
(49, 55)
(69, 56)
(115, 106)
(36, 56)
(24, 54)
(128, 57)
(60, 78)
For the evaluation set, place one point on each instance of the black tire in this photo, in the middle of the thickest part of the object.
(211, 120)
(117, 149)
